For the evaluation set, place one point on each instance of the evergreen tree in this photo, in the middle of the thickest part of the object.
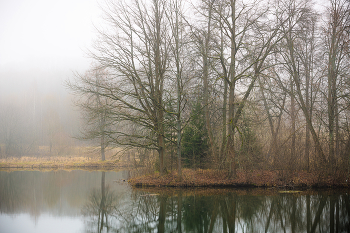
(195, 139)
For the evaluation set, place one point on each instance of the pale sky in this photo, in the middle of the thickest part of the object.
(44, 40)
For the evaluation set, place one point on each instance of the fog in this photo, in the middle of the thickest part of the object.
(42, 43)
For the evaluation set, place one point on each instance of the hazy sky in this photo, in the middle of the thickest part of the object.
(43, 41)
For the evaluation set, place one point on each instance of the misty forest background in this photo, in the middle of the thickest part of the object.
(203, 84)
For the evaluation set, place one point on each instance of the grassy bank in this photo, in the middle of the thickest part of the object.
(190, 177)
(26, 163)
(257, 178)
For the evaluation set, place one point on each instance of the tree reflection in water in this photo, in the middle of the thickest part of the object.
(101, 204)
(229, 211)
(118, 208)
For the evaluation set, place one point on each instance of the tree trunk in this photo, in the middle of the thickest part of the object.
(224, 105)
(159, 79)
(161, 153)
(179, 94)
(224, 122)
(307, 106)
(103, 146)
(332, 94)
(231, 109)
(206, 81)
(292, 112)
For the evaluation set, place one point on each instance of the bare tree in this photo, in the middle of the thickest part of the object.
(307, 56)
(336, 40)
(291, 59)
(242, 52)
(93, 105)
(135, 51)
(178, 41)
(245, 25)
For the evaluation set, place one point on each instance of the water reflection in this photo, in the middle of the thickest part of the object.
(231, 211)
(103, 202)
(31, 199)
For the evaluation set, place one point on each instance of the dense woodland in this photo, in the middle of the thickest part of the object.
(222, 84)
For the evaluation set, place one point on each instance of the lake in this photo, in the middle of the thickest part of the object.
(83, 201)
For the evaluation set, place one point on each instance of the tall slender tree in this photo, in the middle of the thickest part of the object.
(135, 50)
(336, 40)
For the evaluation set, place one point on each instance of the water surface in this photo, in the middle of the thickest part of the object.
(82, 201)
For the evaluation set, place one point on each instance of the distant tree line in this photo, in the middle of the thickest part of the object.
(36, 124)
(227, 84)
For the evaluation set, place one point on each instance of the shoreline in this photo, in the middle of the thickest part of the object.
(299, 180)
(205, 178)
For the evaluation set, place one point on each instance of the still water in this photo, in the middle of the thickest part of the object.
(82, 201)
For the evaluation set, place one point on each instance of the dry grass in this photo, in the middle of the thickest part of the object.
(59, 162)
(256, 178)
